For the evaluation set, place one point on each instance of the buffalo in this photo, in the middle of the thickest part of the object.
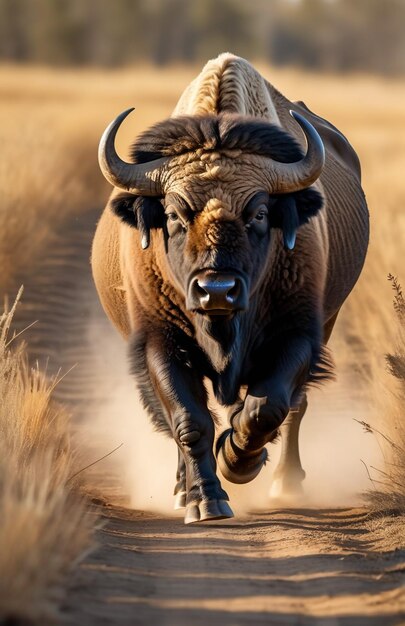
(224, 254)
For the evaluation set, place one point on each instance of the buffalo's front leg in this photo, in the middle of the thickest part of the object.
(241, 449)
(183, 397)
(180, 488)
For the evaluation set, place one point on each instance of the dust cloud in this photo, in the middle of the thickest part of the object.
(332, 443)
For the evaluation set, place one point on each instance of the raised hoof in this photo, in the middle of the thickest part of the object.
(180, 500)
(207, 511)
(237, 469)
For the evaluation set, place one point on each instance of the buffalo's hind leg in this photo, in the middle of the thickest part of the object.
(170, 387)
(288, 475)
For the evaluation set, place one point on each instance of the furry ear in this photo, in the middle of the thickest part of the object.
(309, 202)
(139, 212)
(123, 206)
(290, 211)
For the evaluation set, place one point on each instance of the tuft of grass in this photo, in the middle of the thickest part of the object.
(45, 526)
(388, 493)
(396, 361)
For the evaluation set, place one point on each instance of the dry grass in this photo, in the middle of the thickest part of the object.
(388, 482)
(44, 527)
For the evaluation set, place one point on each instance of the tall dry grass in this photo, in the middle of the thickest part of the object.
(387, 494)
(49, 170)
(45, 526)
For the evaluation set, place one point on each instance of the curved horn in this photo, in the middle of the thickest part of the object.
(143, 178)
(296, 176)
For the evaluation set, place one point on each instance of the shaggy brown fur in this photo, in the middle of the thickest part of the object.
(179, 135)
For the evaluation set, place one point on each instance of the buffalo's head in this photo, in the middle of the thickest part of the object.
(217, 186)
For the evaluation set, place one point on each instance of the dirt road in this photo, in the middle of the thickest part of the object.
(284, 567)
(323, 567)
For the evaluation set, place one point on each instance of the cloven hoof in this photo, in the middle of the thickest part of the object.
(286, 487)
(207, 511)
(180, 500)
(237, 469)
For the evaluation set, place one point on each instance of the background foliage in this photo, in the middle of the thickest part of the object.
(336, 35)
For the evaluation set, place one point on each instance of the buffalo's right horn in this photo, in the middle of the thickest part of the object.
(290, 177)
(143, 178)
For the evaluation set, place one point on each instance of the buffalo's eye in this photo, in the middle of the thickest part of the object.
(172, 217)
(175, 222)
(261, 214)
(257, 221)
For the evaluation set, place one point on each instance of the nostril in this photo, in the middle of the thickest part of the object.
(201, 293)
(233, 293)
(200, 289)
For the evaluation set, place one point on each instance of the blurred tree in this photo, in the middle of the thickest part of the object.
(222, 26)
(13, 30)
(337, 35)
(171, 31)
(186, 30)
(55, 31)
(116, 31)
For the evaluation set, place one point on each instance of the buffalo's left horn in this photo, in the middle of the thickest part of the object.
(290, 177)
(143, 178)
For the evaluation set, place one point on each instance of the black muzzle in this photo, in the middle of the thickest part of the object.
(217, 293)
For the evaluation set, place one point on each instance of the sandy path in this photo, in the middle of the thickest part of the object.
(309, 566)
(284, 567)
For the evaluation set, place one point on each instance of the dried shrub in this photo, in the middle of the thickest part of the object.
(45, 527)
(388, 492)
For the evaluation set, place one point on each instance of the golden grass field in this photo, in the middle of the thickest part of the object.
(52, 121)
